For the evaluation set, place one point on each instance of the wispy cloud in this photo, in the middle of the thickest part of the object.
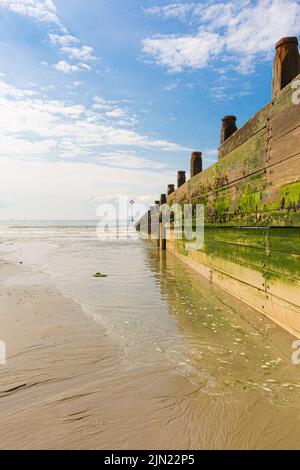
(116, 113)
(32, 126)
(127, 160)
(172, 85)
(113, 111)
(47, 143)
(41, 10)
(240, 32)
(83, 53)
(63, 39)
(65, 67)
(8, 90)
(181, 11)
(182, 52)
(69, 45)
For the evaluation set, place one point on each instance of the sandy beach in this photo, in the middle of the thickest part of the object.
(193, 378)
(57, 389)
(54, 353)
(65, 385)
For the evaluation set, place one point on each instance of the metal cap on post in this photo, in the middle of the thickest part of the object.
(171, 189)
(286, 63)
(228, 127)
(181, 178)
(196, 163)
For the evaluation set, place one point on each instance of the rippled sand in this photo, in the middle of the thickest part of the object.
(218, 375)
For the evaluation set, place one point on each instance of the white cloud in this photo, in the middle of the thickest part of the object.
(69, 45)
(45, 11)
(172, 86)
(83, 53)
(48, 88)
(116, 113)
(48, 128)
(241, 32)
(257, 27)
(113, 110)
(23, 148)
(84, 66)
(100, 103)
(182, 52)
(9, 90)
(179, 11)
(63, 39)
(46, 143)
(125, 160)
(41, 10)
(65, 67)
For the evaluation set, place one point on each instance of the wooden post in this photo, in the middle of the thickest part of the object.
(286, 63)
(196, 163)
(181, 178)
(163, 199)
(149, 223)
(228, 127)
(162, 236)
(171, 189)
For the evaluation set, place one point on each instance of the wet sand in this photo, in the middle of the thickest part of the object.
(66, 385)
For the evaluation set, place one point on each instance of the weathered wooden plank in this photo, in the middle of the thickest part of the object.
(288, 292)
(279, 177)
(285, 146)
(285, 121)
(249, 129)
(283, 100)
(250, 237)
(283, 266)
(284, 240)
(244, 160)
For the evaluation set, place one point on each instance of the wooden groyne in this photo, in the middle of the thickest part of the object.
(252, 202)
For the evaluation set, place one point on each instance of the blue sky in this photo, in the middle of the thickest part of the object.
(107, 97)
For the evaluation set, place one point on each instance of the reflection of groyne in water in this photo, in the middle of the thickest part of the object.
(252, 202)
(222, 340)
